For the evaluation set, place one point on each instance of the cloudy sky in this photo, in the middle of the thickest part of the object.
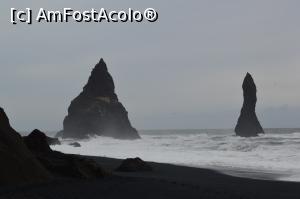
(183, 71)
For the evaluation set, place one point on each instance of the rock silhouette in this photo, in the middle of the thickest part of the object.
(60, 164)
(248, 124)
(97, 110)
(134, 165)
(18, 164)
(35, 141)
(75, 144)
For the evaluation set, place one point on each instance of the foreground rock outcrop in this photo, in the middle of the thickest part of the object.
(33, 139)
(60, 164)
(97, 110)
(17, 163)
(248, 124)
(134, 165)
(37, 141)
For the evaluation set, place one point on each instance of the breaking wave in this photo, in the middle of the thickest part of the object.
(276, 152)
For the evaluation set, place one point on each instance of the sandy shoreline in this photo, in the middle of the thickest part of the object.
(166, 181)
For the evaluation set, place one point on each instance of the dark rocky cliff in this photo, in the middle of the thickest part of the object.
(60, 164)
(97, 110)
(248, 124)
(18, 165)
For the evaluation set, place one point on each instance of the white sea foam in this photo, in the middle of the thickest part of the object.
(274, 152)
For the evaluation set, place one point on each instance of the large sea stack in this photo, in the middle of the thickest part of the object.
(97, 110)
(248, 124)
(18, 165)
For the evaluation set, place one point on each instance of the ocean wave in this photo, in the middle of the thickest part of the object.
(278, 153)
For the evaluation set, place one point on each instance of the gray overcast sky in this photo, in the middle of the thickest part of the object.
(184, 71)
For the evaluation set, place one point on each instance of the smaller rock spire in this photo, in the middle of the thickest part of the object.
(248, 124)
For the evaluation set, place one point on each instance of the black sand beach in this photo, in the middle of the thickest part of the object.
(166, 181)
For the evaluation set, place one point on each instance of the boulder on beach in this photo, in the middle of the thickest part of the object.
(97, 110)
(134, 165)
(248, 124)
(60, 164)
(18, 164)
(75, 144)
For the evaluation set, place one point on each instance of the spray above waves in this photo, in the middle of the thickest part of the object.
(272, 152)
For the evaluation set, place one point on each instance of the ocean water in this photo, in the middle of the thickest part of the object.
(274, 155)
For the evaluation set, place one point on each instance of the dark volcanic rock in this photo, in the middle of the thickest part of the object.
(134, 165)
(60, 164)
(75, 144)
(97, 110)
(38, 141)
(18, 165)
(248, 124)
(66, 165)
(53, 141)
